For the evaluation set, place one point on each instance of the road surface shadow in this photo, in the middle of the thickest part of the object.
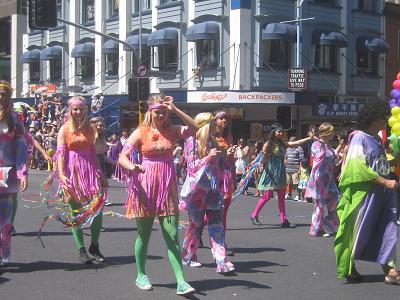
(268, 226)
(256, 250)
(66, 266)
(3, 279)
(202, 286)
(249, 267)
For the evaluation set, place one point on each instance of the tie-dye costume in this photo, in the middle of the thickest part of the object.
(13, 156)
(321, 187)
(203, 194)
(367, 210)
(272, 179)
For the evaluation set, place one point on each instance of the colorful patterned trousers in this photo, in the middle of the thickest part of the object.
(324, 218)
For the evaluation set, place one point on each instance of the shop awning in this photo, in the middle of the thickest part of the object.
(203, 31)
(133, 40)
(110, 47)
(161, 37)
(30, 56)
(51, 53)
(373, 44)
(330, 38)
(83, 50)
(278, 31)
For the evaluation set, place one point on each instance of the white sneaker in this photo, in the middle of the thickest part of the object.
(287, 197)
(297, 198)
(195, 264)
(107, 203)
(4, 262)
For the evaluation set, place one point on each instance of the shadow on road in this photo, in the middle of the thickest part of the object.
(256, 250)
(3, 280)
(57, 265)
(249, 267)
(268, 226)
(211, 284)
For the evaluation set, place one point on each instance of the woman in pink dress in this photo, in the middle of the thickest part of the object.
(151, 184)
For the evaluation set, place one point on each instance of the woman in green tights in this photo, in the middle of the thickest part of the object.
(152, 187)
(81, 178)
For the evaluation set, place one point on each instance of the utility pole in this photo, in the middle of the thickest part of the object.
(299, 3)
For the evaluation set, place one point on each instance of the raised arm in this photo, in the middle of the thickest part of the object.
(189, 122)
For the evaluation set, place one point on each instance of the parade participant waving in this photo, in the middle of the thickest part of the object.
(273, 177)
(203, 194)
(367, 209)
(152, 186)
(13, 176)
(81, 178)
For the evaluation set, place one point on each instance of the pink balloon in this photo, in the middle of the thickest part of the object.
(396, 84)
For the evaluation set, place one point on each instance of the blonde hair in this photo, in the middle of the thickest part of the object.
(325, 129)
(156, 98)
(99, 139)
(204, 121)
(72, 123)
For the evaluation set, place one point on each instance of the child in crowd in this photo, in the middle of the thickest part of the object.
(304, 173)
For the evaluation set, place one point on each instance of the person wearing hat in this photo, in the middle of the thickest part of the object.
(273, 177)
(13, 173)
(321, 186)
(203, 195)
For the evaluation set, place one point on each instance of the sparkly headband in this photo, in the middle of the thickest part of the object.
(6, 86)
(326, 133)
(157, 106)
(221, 113)
(205, 122)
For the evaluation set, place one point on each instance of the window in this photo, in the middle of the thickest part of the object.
(146, 5)
(59, 11)
(367, 61)
(328, 2)
(325, 57)
(113, 8)
(165, 57)
(367, 5)
(112, 63)
(277, 52)
(146, 58)
(167, 1)
(55, 70)
(34, 72)
(207, 53)
(85, 68)
(87, 11)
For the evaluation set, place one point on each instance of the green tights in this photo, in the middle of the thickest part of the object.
(95, 228)
(169, 228)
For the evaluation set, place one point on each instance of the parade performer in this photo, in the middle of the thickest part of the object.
(321, 186)
(81, 179)
(13, 172)
(367, 209)
(203, 194)
(224, 140)
(273, 177)
(152, 186)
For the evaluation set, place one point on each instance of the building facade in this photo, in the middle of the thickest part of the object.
(392, 36)
(213, 53)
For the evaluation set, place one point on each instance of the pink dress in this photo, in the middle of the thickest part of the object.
(154, 192)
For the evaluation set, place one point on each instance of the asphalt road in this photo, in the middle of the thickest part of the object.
(271, 262)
